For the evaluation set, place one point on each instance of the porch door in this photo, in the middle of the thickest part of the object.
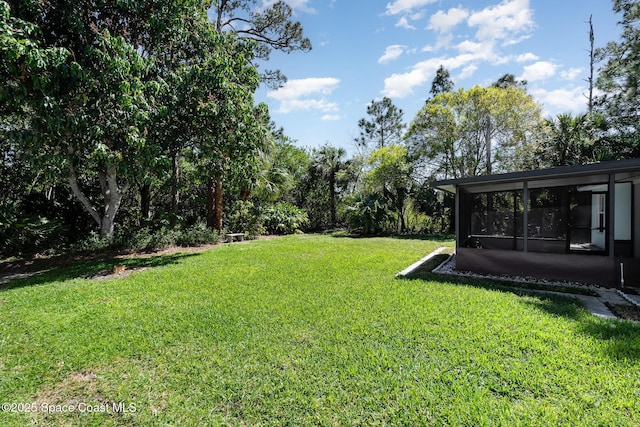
(599, 221)
(588, 222)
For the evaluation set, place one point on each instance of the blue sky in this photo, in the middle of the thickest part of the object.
(364, 50)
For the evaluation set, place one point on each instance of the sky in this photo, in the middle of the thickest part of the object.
(367, 49)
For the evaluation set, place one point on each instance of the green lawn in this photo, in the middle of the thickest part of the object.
(306, 330)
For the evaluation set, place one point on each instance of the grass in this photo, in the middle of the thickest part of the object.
(307, 330)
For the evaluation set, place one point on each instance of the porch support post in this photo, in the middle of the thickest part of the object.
(457, 216)
(611, 212)
(525, 217)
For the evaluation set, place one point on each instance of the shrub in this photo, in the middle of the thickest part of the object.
(92, 243)
(197, 234)
(284, 218)
(30, 234)
(367, 214)
(147, 239)
(245, 217)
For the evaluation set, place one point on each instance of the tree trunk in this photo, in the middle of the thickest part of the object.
(111, 193)
(332, 195)
(403, 224)
(215, 202)
(592, 60)
(145, 202)
(487, 141)
(218, 201)
(175, 179)
(245, 193)
(112, 199)
(75, 188)
(211, 190)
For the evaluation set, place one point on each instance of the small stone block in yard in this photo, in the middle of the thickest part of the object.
(234, 236)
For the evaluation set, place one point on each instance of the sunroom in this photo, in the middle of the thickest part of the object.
(573, 223)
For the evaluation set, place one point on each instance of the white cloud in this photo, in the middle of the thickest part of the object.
(297, 94)
(481, 51)
(391, 53)
(405, 6)
(503, 21)
(540, 70)
(467, 72)
(444, 41)
(331, 117)
(404, 23)
(572, 73)
(444, 22)
(527, 57)
(501, 24)
(561, 100)
(402, 85)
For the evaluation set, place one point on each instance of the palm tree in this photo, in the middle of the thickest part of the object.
(568, 134)
(327, 161)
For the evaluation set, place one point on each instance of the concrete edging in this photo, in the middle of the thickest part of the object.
(628, 298)
(417, 264)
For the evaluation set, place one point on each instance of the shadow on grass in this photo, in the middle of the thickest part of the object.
(620, 339)
(430, 237)
(89, 268)
(557, 305)
(426, 237)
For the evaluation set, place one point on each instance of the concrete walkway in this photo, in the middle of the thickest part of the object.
(596, 305)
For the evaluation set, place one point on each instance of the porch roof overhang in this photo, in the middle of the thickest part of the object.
(596, 173)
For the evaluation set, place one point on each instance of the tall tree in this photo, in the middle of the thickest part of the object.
(384, 127)
(136, 80)
(282, 167)
(566, 137)
(619, 80)
(270, 27)
(442, 82)
(509, 80)
(327, 161)
(474, 132)
(592, 60)
(390, 177)
(87, 114)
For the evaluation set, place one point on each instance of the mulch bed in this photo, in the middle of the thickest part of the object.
(627, 312)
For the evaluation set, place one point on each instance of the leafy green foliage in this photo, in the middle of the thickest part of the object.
(149, 239)
(366, 213)
(284, 218)
(112, 95)
(442, 82)
(245, 218)
(619, 79)
(327, 162)
(574, 140)
(390, 176)
(270, 26)
(384, 126)
(474, 132)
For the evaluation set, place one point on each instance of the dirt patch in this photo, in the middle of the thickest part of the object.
(119, 271)
(78, 387)
(22, 268)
